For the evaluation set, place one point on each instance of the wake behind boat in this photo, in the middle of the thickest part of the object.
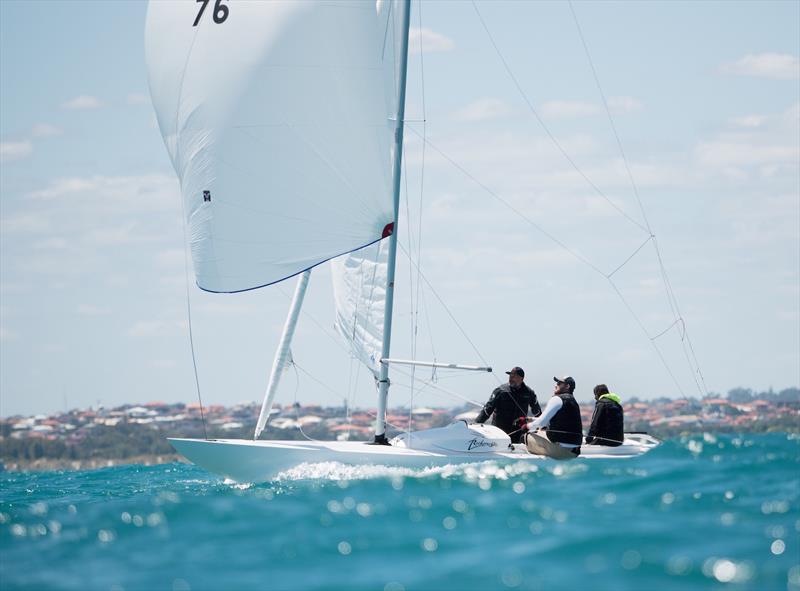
(458, 443)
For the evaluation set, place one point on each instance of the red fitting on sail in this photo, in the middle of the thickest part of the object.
(388, 229)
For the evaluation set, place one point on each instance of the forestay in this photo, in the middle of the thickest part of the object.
(279, 120)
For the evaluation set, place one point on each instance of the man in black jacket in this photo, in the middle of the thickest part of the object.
(608, 419)
(509, 403)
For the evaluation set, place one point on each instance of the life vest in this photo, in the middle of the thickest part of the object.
(566, 425)
(608, 420)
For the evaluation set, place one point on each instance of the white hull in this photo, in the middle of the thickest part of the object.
(260, 461)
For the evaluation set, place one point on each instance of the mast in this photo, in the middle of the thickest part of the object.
(283, 352)
(383, 382)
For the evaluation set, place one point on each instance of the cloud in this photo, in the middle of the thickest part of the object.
(226, 308)
(113, 194)
(44, 130)
(120, 234)
(90, 310)
(482, 110)
(568, 109)
(778, 66)
(80, 226)
(10, 151)
(54, 243)
(791, 116)
(82, 102)
(748, 121)
(67, 186)
(756, 146)
(171, 258)
(6, 334)
(163, 363)
(623, 104)
(137, 98)
(25, 223)
(430, 41)
(146, 328)
(565, 109)
(731, 150)
(17, 150)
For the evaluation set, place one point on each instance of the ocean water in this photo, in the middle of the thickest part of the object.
(706, 512)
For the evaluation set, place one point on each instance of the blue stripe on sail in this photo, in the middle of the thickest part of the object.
(293, 274)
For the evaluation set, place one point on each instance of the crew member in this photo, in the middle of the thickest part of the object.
(509, 403)
(608, 419)
(562, 420)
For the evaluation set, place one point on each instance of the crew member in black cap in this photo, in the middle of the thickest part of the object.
(509, 403)
(562, 419)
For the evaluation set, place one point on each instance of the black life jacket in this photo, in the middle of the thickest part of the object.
(608, 423)
(566, 425)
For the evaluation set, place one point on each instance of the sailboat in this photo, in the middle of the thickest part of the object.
(284, 122)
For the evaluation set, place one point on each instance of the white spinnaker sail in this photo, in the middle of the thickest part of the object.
(359, 290)
(279, 119)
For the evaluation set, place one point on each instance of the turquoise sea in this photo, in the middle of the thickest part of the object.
(706, 512)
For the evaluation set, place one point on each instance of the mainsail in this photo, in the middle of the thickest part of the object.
(279, 118)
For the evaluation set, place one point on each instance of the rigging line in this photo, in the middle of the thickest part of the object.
(670, 292)
(374, 415)
(191, 337)
(565, 247)
(320, 382)
(655, 345)
(410, 285)
(689, 353)
(466, 173)
(538, 227)
(415, 299)
(428, 323)
(296, 404)
(547, 131)
(666, 330)
(449, 313)
(610, 118)
(350, 392)
(435, 386)
(325, 331)
(183, 225)
(421, 172)
(635, 252)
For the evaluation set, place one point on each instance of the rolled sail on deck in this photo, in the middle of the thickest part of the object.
(278, 118)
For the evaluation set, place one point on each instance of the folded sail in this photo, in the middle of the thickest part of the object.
(359, 291)
(279, 120)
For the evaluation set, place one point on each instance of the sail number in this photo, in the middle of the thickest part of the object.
(220, 11)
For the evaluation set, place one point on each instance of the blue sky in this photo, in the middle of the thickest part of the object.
(704, 96)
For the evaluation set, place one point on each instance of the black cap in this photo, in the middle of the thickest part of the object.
(565, 380)
(516, 371)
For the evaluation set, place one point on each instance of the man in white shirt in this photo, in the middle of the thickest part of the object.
(561, 418)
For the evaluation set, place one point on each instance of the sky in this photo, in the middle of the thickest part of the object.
(704, 98)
